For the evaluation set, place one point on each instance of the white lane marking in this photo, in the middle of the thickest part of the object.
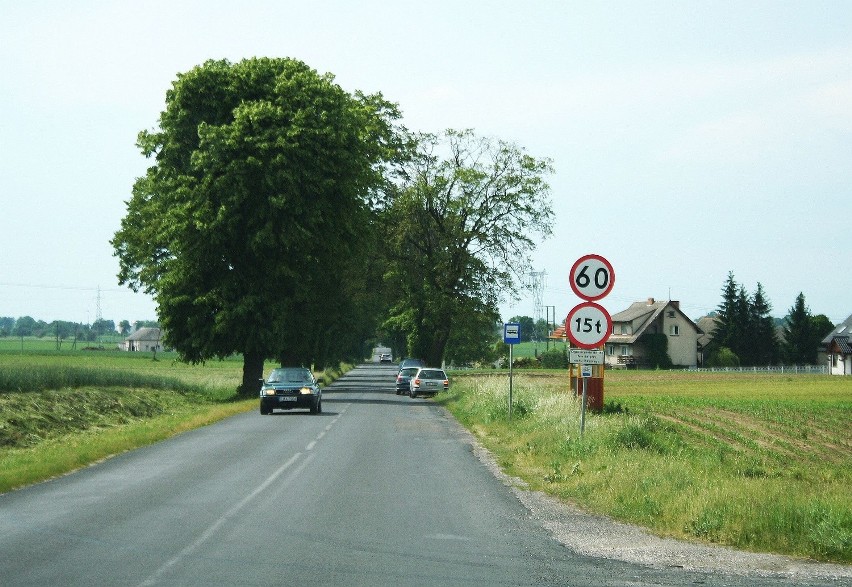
(205, 536)
(313, 443)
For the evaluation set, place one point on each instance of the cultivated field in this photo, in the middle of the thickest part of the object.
(756, 461)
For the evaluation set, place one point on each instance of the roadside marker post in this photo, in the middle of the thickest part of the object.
(586, 373)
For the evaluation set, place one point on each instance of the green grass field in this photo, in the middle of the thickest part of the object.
(756, 461)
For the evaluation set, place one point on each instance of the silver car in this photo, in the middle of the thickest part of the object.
(428, 381)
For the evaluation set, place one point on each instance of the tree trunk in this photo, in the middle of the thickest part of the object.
(252, 373)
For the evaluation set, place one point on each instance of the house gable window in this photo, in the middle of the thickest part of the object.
(674, 330)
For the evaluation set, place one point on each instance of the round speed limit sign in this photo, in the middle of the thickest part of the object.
(588, 325)
(592, 277)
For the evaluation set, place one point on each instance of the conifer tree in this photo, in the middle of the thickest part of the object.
(800, 340)
(763, 329)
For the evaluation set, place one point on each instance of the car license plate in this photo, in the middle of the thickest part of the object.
(287, 398)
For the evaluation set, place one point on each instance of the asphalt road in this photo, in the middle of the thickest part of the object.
(379, 489)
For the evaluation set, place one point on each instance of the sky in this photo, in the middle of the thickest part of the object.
(689, 139)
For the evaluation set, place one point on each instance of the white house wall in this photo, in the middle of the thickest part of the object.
(683, 345)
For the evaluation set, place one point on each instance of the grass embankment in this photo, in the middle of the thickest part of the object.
(63, 411)
(758, 462)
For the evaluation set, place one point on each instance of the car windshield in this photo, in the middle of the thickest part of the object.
(290, 376)
(432, 374)
(408, 371)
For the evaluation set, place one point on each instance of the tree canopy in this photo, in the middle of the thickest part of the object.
(461, 219)
(745, 331)
(803, 333)
(253, 215)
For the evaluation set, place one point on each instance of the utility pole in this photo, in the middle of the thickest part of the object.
(551, 324)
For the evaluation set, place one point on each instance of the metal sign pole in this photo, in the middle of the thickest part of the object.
(583, 407)
(510, 381)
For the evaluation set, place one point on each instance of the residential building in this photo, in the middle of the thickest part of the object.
(836, 349)
(145, 339)
(628, 344)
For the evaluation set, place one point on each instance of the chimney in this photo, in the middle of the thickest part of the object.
(650, 301)
(675, 303)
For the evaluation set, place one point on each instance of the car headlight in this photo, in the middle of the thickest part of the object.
(269, 391)
(306, 391)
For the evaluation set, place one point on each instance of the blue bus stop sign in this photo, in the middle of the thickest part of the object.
(512, 333)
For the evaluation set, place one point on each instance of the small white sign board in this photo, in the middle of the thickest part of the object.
(586, 372)
(586, 357)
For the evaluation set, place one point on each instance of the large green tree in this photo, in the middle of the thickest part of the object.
(461, 222)
(249, 221)
(727, 328)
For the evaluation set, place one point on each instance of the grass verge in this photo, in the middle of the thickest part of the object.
(65, 452)
(63, 410)
(758, 462)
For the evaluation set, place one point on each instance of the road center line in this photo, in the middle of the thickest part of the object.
(313, 443)
(205, 536)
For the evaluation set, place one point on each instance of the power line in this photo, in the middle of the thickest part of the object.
(68, 287)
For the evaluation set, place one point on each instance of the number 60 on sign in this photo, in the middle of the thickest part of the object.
(592, 277)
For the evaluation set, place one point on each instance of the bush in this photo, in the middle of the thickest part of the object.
(526, 363)
(724, 357)
(554, 359)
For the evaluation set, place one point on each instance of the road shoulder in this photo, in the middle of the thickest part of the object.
(601, 537)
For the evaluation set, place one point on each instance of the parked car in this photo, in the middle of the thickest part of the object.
(288, 388)
(410, 363)
(402, 379)
(428, 381)
(385, 358)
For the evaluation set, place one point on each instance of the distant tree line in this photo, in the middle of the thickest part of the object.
(747, 335)
(65, 330)
(532, 330)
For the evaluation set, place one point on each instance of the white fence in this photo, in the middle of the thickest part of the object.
(798, 369)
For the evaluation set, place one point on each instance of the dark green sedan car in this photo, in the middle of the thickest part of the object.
(287, 388)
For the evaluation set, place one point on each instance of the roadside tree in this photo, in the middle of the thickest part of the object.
(244, 227)
(461, 221)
